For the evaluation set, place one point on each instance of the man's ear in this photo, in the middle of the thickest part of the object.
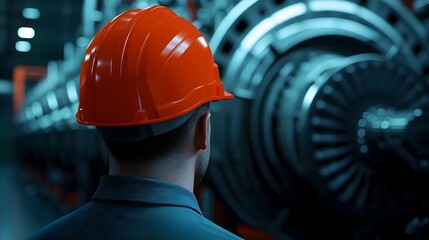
(202, 134)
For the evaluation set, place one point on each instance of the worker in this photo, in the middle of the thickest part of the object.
(146, 81)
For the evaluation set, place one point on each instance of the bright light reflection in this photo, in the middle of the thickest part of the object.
(52, 100)
(71, 92)
(202, 41)
(36, 107)
(31, 13)
(26, 32)
(22, 46)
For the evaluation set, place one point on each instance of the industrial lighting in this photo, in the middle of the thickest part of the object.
(82, 42)
(26, 32)
(31, 13)
(22, 46)
(97, 16)
(5, 87)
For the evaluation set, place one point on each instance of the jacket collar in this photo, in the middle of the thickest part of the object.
(144, 190)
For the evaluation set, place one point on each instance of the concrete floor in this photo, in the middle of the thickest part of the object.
(22, 210)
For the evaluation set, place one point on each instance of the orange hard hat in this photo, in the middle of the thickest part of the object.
(146, 67)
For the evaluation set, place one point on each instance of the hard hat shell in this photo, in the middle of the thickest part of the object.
(146, 66)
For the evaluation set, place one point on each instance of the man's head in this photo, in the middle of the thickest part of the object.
(157, 146)
(146, 80)
(193, 133)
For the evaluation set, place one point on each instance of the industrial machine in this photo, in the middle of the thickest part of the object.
(327, 136)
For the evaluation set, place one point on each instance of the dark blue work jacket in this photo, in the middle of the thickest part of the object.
(136, 208)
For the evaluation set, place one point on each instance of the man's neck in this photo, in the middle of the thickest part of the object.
(177, 171)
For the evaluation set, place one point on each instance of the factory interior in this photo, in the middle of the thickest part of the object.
(327, 136)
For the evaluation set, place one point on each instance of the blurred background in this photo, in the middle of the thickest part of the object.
(327, 137)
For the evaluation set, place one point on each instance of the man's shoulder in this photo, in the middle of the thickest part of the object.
(65, 227)
(194, 226)
(94, 221)
(210, 230)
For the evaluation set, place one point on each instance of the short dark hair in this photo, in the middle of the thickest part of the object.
(156, 146)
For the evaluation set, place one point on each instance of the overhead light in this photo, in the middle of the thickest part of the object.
(26, 32)
(82, 42)
(31, 13)
(22, 46)
(97, 16)
(5, 87)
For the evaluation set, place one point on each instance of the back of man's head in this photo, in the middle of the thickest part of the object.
(158, 146)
